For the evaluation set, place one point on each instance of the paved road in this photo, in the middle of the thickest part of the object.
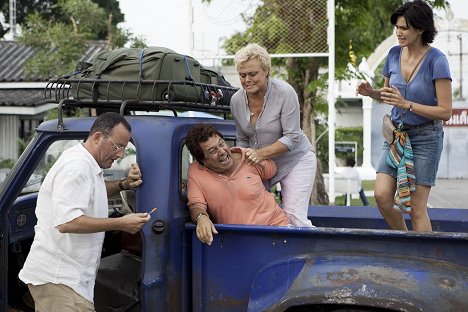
(449, 193)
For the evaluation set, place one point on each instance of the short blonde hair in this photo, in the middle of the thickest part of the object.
(256, 52)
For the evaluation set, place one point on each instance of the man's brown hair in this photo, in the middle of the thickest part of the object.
(198, 134)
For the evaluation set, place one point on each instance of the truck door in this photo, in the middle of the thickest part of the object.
(18, 200)
(19, 191)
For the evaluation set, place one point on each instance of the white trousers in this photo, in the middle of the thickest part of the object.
(296, 188)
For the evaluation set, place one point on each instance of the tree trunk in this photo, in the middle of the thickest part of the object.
(110, 36)
(319, 194)
(300, 80)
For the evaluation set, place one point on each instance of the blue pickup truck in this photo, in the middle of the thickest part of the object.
(349, 262)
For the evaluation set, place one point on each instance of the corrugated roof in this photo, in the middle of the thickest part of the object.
(22, 97)
(14, 55)
(12, 59)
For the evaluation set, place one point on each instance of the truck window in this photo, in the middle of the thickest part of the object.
(47, 161)
(186, 159)
(119, 170)
(123, 202)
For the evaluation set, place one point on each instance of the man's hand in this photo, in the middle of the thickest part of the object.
(133, 222)
(133, 179)
(130, 223)
(205, 229)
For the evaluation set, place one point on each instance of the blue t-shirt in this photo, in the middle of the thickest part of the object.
(421, 88)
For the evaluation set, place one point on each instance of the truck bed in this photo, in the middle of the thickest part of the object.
(348, 259)
(366, 217)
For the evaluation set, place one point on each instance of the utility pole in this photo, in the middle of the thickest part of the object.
(460, 66)
(190, 28)
(331, 100)
(13, 19)
(449, 16)
(460, 39)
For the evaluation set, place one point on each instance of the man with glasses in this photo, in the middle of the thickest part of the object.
(72, 216)
(224, 188)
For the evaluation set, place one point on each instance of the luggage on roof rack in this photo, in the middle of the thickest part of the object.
(154, 63)
(216, 98)
(154, 78)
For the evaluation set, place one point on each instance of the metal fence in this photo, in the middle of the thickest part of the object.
(283, 27)
(291, 28)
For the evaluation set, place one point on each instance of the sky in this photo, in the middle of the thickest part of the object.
(167, 23)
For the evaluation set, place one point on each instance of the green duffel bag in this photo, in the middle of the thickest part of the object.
(127, 67)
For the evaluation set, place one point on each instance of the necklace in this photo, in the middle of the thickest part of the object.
(263, 103)
(255, 110)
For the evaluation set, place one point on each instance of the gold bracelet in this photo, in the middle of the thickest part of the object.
(199, 215)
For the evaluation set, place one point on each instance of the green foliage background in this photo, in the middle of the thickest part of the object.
(353, 134)
(60, 30)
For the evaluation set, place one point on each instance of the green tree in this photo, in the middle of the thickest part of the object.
(86, 17)
(360, 27)
(59, 44)
(59, 38)
(49, 10)
(115, 16)
(23, 8)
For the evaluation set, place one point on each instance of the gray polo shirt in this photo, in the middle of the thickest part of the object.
(278, 120)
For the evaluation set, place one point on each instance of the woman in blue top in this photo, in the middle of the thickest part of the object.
(419, 87)
(267, 117)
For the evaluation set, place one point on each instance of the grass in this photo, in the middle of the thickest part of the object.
(367, 185)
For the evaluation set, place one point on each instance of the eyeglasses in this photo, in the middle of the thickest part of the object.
(117, 148)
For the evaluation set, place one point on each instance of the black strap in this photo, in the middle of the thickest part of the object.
(141, 63)
(189, 77)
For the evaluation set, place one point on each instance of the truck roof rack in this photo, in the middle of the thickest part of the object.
(139, 95)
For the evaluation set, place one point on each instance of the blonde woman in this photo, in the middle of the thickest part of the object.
(267, 117)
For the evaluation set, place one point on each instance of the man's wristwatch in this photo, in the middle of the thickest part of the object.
(199, 216)
(121, 185)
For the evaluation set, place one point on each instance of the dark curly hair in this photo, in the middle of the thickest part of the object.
(198, 134)
(419, 15)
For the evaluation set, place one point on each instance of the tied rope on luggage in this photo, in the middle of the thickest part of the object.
(400, 157)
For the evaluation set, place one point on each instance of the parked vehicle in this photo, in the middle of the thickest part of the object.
(349, 262)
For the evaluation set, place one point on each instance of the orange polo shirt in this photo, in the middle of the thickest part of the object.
(238, 199)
